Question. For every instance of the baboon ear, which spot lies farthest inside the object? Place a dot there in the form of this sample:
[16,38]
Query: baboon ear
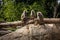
[24,15]
[32,15]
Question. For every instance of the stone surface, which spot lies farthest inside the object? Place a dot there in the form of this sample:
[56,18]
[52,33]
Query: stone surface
[34,32]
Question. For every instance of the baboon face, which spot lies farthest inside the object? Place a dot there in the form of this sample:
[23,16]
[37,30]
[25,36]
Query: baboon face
[39,15]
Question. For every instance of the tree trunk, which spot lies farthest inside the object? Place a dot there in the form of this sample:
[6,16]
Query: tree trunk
[19,23]
[55,11]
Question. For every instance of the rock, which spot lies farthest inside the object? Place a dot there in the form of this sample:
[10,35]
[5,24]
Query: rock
[2,32]
[34,32]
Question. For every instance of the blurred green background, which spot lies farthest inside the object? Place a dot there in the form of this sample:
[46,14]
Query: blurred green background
[11,10]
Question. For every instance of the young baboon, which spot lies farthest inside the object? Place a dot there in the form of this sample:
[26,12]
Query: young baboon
[40,17]
[32,15]
[24,15]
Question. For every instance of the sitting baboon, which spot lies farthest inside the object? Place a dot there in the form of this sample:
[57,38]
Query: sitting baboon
[32,15]
[40,17]
[24,15]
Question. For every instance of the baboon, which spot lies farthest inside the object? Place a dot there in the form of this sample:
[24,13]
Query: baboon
[40,17]
[32,15]
[24,15]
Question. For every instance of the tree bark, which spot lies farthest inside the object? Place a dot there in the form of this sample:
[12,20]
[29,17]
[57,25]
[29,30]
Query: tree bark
[19,23]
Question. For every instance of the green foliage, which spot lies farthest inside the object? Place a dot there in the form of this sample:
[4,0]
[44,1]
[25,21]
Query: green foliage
[11,10]
[37,7]
[20,6]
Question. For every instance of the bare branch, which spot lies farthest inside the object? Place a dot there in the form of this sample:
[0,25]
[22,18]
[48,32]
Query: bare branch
[45,20]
